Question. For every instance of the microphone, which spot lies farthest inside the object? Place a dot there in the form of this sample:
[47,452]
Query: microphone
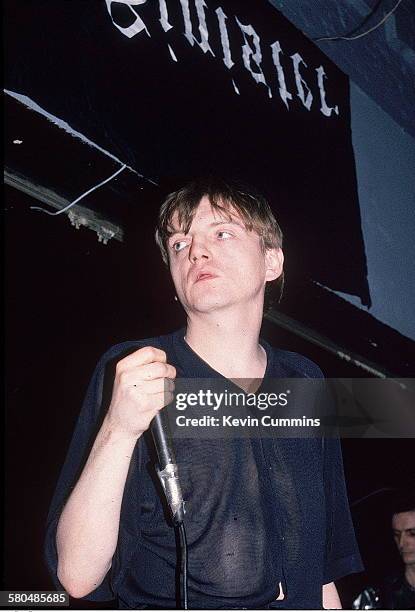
[167,469]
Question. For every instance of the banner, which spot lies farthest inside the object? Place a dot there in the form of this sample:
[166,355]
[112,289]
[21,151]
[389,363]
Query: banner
[183,88]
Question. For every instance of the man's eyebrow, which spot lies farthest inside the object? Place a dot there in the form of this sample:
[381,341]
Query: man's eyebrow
[403,530]
[175,233]
[227,222]
[213,224]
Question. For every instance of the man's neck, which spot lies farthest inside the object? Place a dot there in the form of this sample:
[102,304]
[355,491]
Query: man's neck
[410,574]
[228,342]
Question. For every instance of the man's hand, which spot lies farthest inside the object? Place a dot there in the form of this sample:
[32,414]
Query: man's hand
[143,385]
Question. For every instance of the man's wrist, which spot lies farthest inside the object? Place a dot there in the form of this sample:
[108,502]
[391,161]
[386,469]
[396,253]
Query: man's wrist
[113,433]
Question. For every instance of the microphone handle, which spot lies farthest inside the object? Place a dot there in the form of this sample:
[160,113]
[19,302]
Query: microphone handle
[167,470]
[162,441]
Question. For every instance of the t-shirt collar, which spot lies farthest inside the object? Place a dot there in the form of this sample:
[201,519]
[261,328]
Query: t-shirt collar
[193,366]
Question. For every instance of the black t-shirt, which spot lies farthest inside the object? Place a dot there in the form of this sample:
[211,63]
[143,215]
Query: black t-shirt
[259,512]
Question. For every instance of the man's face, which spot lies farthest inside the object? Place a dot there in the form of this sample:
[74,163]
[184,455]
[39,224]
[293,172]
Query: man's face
[403,526]
[219,263]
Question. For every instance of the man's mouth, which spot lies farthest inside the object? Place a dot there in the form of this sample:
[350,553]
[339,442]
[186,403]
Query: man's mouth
[204,276]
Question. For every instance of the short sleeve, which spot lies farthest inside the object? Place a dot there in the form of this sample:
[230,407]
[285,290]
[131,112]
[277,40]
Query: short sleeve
[342,555]
[83,437]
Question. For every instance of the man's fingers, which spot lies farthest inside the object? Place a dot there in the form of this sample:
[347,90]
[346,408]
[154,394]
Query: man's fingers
[150,371]
[143,385]
[150,387]
[142,356]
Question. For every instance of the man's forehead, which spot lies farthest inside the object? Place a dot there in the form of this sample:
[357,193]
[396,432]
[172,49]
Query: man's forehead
[404,520]
[205,211]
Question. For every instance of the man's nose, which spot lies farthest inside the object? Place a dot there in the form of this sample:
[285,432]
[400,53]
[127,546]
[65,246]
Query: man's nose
[402,541]
[198,250]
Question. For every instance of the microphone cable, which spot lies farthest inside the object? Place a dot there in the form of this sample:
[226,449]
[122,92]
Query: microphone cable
[183,559]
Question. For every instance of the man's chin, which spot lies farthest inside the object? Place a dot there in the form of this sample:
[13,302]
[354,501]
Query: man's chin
[207,304]
[208,307]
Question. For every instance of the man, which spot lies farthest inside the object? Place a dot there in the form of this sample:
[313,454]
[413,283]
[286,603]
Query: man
[267,520]
[396,591]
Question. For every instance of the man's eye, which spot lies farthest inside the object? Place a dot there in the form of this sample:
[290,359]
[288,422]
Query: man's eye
[224,235]
[179,246]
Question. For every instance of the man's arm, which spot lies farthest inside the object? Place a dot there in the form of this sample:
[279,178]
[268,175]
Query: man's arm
[331,599]
[88,527]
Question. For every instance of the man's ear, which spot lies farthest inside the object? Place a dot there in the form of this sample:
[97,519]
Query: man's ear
[274,264]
